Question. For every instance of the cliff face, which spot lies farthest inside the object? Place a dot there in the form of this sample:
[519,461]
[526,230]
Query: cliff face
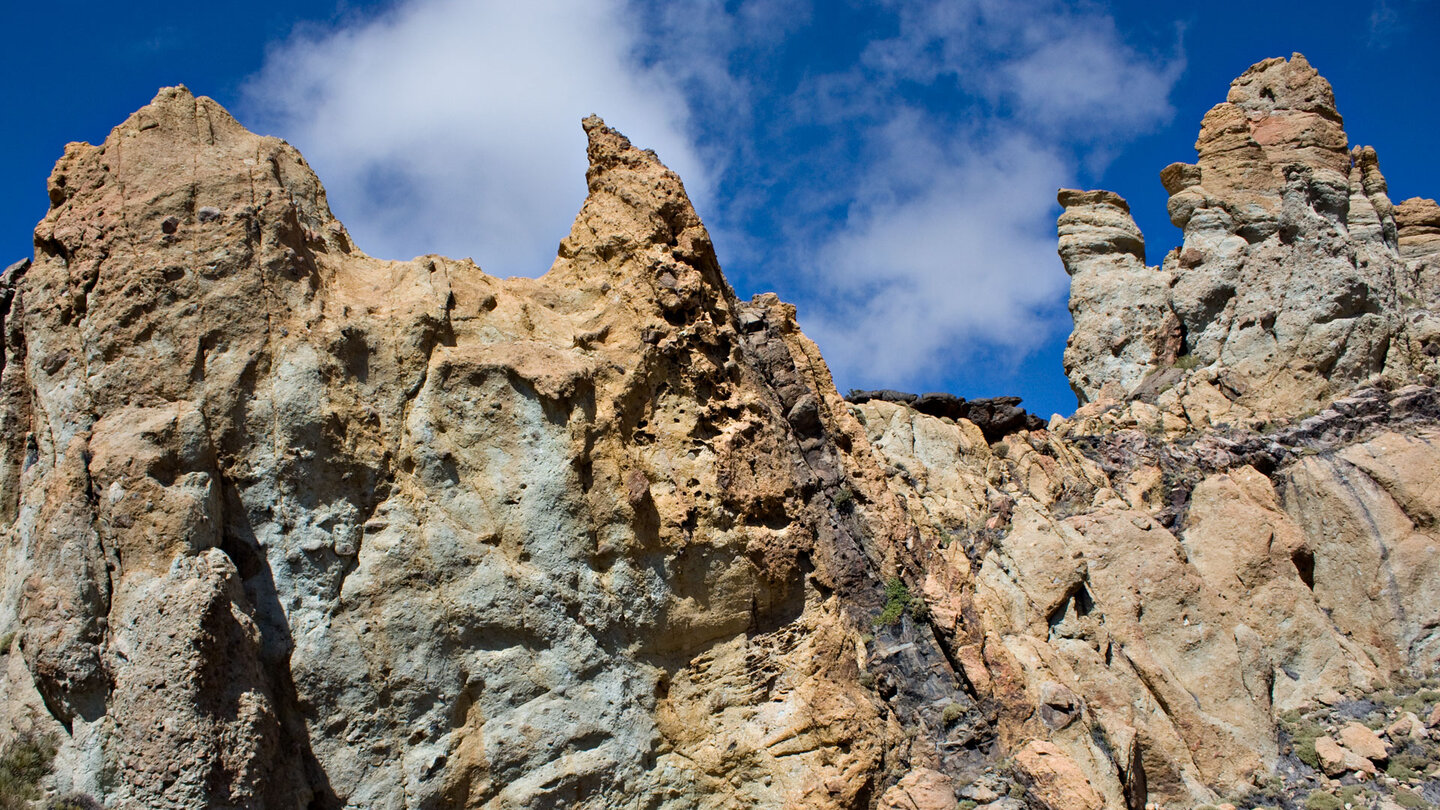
[288,526]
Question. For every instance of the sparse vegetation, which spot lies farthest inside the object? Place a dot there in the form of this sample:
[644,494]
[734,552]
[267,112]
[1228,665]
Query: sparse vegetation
[1399,770]
[1408,798]
[1186,362]
[1302,733]
[1320,800]
[74,801]
[898,602]
[23,763]
[897,598]
[845,500]
[1352,794]
[952,712]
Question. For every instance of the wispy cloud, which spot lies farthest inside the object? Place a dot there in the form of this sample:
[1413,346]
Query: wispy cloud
[962,126]
[891,166]
[454,127]
[1384,22]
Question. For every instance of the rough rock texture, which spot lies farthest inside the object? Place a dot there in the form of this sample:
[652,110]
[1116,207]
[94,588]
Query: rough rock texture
[1292,283]
[290,526]
[287,526]
[1124,325]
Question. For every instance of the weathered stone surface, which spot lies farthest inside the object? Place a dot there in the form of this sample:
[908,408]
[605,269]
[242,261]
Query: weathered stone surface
[1123,322]
[1418,224]
[1293,282]
[921,789]
[1336,760]
[290,526]
[284,525]
[1054,781]
[1356,737]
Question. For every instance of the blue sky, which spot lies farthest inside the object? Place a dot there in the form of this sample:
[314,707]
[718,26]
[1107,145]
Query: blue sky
[889,167]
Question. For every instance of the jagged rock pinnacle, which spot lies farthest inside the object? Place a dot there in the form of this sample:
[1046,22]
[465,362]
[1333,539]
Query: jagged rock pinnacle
[1275,186]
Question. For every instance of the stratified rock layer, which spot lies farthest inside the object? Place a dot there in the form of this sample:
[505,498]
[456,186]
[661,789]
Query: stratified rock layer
[288,526]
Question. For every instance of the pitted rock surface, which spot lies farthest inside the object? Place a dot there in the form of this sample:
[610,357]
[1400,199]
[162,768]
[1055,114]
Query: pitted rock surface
[288,526]
[1293,282]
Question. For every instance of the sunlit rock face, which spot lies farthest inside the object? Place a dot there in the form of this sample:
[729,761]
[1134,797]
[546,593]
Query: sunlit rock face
[1292,283]
[288,526]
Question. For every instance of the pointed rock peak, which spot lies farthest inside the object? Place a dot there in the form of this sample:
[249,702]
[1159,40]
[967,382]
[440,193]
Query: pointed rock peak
[638,224]
[1279,84]
[199,168]
[611,151]
[176,113]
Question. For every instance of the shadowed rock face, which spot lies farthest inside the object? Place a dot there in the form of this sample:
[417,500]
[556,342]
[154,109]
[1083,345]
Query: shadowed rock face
[288,526]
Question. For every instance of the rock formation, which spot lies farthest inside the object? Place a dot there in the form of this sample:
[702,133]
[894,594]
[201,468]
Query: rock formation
[1291,284]
[288,526]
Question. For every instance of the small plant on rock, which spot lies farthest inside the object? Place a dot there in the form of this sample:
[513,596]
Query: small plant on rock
[23,763]
[1408,798]
[1320,800]
[898,602]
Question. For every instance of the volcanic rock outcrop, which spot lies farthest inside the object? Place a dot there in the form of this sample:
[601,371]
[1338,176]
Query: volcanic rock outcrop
[1292,284]
[287,526]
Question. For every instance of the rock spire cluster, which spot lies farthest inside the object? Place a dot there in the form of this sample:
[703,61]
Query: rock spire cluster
[288,526]
[1297,279]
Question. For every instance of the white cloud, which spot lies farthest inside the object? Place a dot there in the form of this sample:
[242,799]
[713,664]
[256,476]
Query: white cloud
[453,127]
[917,278]
[905,184]
[950,238]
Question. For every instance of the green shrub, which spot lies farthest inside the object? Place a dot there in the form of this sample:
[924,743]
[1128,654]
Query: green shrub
[1409,761]
[1320,800]
[952,712]
[968,804]
[1302,736]
[1408,798]
[1352,794]
[898,602]
[23,763]
[1399,770]
[897,598]
[1187,362]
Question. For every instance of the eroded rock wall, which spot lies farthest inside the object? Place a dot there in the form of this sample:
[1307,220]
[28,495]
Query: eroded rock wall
[288,526]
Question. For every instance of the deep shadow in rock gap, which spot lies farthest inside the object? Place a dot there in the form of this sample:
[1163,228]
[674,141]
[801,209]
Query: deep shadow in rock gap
[294,751]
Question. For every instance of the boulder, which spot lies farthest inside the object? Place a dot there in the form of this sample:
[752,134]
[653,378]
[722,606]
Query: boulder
[921,789]
[1053,779]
